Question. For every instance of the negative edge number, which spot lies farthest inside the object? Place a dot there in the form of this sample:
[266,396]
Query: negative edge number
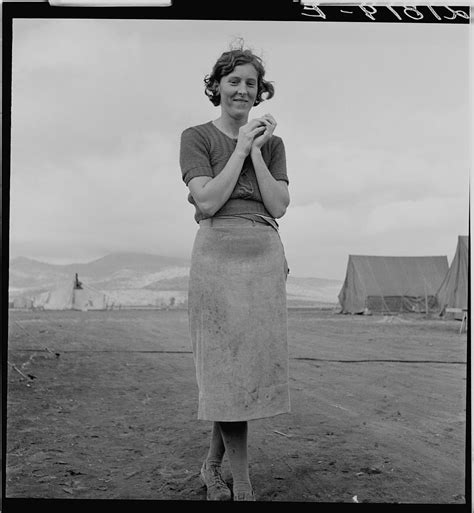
[369,10]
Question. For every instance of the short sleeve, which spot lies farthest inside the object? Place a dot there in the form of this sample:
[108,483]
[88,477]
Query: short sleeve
[194,155]
[277,162]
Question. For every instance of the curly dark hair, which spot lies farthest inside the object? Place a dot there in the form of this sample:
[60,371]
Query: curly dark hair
[226,63]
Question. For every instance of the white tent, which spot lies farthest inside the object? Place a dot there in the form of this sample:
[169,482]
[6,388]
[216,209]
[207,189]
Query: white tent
[89,298]
[58,298]
[67,296]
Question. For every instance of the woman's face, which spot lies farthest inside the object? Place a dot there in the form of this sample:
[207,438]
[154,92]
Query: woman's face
[238,91]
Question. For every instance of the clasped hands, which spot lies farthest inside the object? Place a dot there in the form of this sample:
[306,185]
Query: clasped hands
[254,134]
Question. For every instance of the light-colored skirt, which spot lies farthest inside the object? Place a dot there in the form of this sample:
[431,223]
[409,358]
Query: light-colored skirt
[238,320]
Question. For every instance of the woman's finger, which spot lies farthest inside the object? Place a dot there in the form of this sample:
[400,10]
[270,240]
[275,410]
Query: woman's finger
[270,126]
[257,130]
[270,119]
[255,122]
[267,124]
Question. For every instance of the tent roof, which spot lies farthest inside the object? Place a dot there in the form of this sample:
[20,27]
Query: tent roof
[463,240]
[453,291]
[398,275]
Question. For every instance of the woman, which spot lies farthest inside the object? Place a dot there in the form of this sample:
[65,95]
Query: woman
[235,170]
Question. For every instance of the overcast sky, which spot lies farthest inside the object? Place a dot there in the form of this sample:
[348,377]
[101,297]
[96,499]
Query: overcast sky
[374,116]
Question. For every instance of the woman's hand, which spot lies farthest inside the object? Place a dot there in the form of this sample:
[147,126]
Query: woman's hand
[270,125]
[247,134]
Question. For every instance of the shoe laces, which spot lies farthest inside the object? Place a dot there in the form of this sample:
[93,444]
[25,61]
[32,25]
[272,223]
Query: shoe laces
[214,475]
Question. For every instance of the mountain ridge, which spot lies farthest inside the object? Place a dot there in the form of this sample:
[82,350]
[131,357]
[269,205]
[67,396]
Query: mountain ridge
[139,271]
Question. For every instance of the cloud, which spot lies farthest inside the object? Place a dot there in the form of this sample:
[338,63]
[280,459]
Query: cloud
[83,87]
[320,239]
[131,199]
[316,239]
[422,216]
[377,156]
[347,177]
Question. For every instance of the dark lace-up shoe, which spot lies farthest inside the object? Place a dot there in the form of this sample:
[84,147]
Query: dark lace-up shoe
[217,489]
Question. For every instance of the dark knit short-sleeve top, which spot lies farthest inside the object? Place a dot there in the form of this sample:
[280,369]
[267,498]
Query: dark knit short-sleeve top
[205,151]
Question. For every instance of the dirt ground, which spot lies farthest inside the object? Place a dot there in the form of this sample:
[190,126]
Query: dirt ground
[107,410]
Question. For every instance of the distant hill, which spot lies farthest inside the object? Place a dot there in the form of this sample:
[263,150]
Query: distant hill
[23,269]
[138,262]
[116,270]
[138,271]
[312,283]
[178,283]
[26,273]
[314,290]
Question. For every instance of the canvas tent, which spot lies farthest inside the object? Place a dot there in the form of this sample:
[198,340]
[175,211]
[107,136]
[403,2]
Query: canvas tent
[392,284]
[69,296]
[21,302]
[453,290]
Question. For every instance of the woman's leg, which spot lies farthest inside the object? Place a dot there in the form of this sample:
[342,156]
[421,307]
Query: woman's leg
[217,489]
[216,447]
[234,435]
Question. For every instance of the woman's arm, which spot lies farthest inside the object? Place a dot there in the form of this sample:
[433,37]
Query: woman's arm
[275,195]
[210,194]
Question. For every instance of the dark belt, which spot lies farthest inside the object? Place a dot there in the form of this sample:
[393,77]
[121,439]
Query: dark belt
[254,218]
